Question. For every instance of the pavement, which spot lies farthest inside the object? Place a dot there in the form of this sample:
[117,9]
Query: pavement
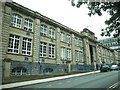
[18,84]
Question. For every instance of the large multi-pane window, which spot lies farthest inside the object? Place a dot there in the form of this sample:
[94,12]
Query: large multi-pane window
[26,46]
[43,30]
[63,54]
[62,36]
[16,20]
[52,33]
[68,54]
[13,46]
[76,41]
[68,39]
[43,49]
[51,51]
[81,56]
[76,55]
[28,25]
[81,43]
[19,71]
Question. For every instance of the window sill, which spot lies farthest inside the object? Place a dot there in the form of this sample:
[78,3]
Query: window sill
[22,29]
[19,54]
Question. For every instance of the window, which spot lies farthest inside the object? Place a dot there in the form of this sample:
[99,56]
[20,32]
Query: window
[48,70]
[43,49]
[68,39]
[43,30]
[81,56]
[68,54]
[62,36]
[51,51]
[76,41]
[28,25]
[81,43]
[19,71]
[52,33]
[26,47]
[13,46]
[63,55]
[76,55]
[16,20]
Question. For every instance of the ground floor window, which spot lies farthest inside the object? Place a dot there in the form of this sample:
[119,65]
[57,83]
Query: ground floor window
[19,71]
[48,70]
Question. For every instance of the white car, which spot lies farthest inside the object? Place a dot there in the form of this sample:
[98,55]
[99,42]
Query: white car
[114,67]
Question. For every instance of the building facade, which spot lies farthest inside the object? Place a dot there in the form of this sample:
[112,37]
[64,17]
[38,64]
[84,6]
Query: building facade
[112,43]
[35,44]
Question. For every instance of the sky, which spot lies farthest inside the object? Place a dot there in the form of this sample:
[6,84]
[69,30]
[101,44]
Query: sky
[72,17]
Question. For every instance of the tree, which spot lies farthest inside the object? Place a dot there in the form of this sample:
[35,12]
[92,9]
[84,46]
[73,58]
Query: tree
[113,8]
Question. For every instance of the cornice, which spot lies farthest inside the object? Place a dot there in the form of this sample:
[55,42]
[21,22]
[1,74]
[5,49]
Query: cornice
[37,15]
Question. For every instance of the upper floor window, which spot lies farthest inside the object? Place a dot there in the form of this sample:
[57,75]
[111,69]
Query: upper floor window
[76,55]
[28,25]
[81,56]
[43,49]
[52,33]
[62,36]
[13,46]
[68,54]
[63,55]
[76,41]
[26,47]
[81,43]
[68,38]
[16,20]
[51,51]
[43,30]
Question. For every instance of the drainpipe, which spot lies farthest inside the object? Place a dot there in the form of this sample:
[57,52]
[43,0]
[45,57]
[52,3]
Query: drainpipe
[39,52]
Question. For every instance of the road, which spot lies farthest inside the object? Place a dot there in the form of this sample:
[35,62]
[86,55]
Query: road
[98,80]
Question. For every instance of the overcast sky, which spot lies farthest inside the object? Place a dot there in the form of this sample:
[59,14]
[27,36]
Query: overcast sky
[62,12]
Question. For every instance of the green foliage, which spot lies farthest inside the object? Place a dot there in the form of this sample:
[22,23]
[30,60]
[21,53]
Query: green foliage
[113,8]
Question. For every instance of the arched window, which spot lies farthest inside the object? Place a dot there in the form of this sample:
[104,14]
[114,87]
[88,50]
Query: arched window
[19,71]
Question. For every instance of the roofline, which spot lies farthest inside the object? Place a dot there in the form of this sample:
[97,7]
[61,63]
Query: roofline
[38,15]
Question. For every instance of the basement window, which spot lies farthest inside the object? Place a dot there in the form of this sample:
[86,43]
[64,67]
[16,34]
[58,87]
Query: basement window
[19,71]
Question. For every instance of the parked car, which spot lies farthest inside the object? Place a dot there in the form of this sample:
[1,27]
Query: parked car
[104,68]
[114,67]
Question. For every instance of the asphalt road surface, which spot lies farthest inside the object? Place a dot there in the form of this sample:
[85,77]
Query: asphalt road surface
[98,80]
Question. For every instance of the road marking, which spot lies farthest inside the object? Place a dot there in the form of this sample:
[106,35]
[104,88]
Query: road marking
[49,86]
[113,86]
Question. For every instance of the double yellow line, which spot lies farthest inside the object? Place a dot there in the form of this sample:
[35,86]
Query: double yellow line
[113,86]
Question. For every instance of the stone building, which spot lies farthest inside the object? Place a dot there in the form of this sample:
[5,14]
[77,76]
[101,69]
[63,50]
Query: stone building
[112,43]
[35,44]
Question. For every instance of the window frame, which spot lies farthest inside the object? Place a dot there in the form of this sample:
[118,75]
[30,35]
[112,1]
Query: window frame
[62,53]
[69,56]
[62,37]
[29,23]
[25,47]
[43,30]
[81,57]
[51,51]
[68,37]
[13,42]
[15,20]
[51,31]
[76,55]
[43,49]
